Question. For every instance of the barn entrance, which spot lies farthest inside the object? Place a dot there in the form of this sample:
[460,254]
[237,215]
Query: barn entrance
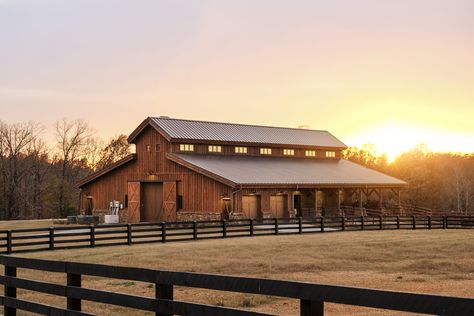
[279,206]
[297,203]
[151,202]
[251,206]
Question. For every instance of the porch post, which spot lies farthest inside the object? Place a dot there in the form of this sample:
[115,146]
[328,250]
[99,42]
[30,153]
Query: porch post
[316,201]
[339,200]
[399,199]
[360,198]
[380,198]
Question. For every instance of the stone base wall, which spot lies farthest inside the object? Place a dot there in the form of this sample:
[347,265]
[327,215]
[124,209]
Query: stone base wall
[185,216]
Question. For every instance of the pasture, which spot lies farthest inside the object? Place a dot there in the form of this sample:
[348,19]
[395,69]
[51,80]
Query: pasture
[438,261]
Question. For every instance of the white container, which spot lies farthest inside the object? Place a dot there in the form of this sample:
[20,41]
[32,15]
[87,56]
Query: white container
[111,219]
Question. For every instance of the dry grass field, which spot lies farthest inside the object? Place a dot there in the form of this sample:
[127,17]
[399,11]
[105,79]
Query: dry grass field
[437,261]
[39,223]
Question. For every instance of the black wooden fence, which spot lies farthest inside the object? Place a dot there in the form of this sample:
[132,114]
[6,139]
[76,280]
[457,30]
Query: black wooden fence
[67,237]
[311,296]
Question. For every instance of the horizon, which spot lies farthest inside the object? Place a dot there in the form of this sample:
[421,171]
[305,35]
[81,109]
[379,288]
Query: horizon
[392,75]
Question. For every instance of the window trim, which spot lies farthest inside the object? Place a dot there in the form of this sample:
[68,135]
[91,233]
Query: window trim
[214,148]
[330,154]
[288,152]
[265,151]
[310,153]
[241,150]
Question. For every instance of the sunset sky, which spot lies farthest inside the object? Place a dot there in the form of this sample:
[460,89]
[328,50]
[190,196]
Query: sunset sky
[391,73]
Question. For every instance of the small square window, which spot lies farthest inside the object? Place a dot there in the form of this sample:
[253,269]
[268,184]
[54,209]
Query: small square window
[186,147]
[310,153]
[240,150]
[214,149]
[158,147]
[288,152]
[330,154]
[265,151]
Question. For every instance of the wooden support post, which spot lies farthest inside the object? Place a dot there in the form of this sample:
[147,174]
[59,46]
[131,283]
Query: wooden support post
[362,223]
[51,238]
[343,223]
[429,222]
[414,221]
[276,226]
[300,225]
[316,201]
[9,242]
[251,227]
[311,308]
[360,198]
[339,200]
[399,198]
[92,236]
[73,279]
[163,232]
[398,222]
[164,292]
[224,228]
[380,222]
[445,222]
[10,291]
[322,223]
[129,234]
[195,231]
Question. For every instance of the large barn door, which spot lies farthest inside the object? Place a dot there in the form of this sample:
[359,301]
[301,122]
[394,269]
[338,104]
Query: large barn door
[279,206]
[152,202]
[169,201]
[251,206]
[133,191]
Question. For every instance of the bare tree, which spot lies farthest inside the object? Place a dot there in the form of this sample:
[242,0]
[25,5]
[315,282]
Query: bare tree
[117,149]
[14,140]
[72,139]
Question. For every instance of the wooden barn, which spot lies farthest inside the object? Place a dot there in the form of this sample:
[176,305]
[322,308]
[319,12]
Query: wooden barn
[186,169]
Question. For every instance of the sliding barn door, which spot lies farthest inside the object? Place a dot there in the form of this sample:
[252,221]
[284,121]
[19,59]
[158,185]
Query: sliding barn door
[169,201]
[133,202]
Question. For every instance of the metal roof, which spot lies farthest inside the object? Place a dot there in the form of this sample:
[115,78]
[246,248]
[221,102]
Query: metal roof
[282,171]
[240,133]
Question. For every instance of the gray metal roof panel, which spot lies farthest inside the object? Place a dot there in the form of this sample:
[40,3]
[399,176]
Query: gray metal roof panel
[260,170]
[229,132]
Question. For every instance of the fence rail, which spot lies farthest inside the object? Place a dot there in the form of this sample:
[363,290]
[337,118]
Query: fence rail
[68,237]
[311,296]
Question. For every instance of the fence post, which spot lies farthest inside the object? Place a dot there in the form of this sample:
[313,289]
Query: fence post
[9,242]
[414,221]
[311,308]
[343,223]
[195,230]
[381,222]
[51,238]
[429,222]
[398,222]
[92,235]
[163,232]
[276,226]
[10,291]
[164,292]
[362,223]
[300,225]
[73,279]
[251,227]
[129,234]
[446,222]
[224,228]
[322,223]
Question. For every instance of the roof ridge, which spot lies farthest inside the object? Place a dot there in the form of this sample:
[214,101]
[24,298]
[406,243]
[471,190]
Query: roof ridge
[239,124]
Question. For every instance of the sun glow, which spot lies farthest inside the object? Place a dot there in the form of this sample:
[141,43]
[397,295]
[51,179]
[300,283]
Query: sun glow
[394,139]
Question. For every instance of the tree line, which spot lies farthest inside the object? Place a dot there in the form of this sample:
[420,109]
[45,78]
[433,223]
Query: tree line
[441,181]
[39,181]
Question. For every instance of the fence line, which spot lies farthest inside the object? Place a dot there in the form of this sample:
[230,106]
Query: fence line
[311,296]
[37,239]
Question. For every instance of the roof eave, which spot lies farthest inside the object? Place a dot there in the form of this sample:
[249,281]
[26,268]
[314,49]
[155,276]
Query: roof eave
[99,173]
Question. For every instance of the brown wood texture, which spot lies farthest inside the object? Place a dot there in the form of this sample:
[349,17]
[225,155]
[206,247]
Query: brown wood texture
[279,206]
[151,202]
[169,201]
[134,202]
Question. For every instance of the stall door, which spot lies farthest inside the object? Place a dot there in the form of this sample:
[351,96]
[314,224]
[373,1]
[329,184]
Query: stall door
[279,206]
[169,201]
[251,206]
[133,192]
[152,202]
